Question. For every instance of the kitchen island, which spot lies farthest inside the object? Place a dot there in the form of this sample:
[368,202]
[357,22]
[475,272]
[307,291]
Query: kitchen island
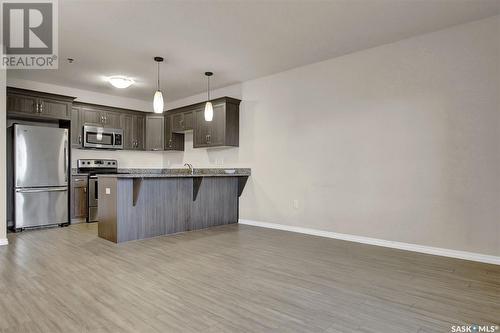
[142,205]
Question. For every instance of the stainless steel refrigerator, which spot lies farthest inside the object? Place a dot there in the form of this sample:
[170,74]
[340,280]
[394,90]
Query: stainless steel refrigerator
[40,176]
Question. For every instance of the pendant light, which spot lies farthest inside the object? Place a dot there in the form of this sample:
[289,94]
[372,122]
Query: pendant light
[158,98]
[209,110]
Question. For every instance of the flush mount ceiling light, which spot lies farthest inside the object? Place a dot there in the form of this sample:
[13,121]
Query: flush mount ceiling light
[121,82]
[209,109]
[158,97]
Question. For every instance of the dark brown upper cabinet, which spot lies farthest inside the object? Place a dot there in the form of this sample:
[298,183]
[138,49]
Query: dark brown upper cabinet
[133,131]
[182,121]
[76,128]
[155,132]
[22,103]
[223,130]
[132,122]
[100,116]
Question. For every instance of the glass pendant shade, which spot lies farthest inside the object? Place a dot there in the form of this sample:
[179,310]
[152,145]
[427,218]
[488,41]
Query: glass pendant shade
[158,97]
[209,111]
[158,102]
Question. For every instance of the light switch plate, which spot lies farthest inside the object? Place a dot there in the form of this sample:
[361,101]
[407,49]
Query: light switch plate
[108,190]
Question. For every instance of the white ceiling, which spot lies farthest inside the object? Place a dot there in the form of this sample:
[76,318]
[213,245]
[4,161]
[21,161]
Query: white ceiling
[238,40]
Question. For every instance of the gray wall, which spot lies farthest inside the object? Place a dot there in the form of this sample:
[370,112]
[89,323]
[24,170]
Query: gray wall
[399,142]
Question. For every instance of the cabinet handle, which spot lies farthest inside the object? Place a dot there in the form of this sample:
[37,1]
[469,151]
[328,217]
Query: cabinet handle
[170,143]
[41,107]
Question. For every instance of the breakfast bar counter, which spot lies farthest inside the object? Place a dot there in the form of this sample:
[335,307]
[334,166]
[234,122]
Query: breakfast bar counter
[140,204]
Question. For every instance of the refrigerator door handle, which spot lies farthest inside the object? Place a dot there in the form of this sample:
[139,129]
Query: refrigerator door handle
[41,190]
[65,162]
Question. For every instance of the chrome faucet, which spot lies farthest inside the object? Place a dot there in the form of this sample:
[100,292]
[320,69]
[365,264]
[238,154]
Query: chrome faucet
[190,166]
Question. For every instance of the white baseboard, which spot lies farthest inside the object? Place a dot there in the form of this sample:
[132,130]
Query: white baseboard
[484,258]
[4,241]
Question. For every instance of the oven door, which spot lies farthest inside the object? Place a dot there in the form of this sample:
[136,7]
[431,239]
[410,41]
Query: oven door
[98,137]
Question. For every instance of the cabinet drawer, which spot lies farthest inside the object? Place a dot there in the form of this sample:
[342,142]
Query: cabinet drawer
[79,181]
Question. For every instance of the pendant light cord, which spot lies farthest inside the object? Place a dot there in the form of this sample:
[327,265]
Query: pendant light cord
[208,88]
[158,76]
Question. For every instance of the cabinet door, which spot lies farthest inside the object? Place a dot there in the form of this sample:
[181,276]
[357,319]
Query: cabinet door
[80,207]
[188,120]
[111,119]
[177,122]
[79,198]
[139,124]
[76,128]
[209,133]
[21,103]
[54,108]
[154,133]
[91,116]
[127,124]
[217,127]
[200,138]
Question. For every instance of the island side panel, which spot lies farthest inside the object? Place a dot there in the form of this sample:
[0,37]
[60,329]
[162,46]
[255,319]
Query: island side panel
[107,227]
[216,203]
[162,207]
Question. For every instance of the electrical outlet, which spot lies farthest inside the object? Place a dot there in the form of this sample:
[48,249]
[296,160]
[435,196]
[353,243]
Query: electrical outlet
[296,203]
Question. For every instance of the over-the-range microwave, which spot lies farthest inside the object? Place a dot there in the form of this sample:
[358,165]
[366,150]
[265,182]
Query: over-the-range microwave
[102,138]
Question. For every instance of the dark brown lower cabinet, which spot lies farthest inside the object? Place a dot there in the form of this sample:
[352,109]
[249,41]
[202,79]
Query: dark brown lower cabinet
[79,199]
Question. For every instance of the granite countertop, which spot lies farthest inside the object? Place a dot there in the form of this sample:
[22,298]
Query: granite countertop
[176,173]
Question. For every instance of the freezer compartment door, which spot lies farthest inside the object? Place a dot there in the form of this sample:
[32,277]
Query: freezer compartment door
[40,156]
[41,206]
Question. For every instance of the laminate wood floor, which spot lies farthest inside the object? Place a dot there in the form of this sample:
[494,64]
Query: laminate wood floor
[234,278]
